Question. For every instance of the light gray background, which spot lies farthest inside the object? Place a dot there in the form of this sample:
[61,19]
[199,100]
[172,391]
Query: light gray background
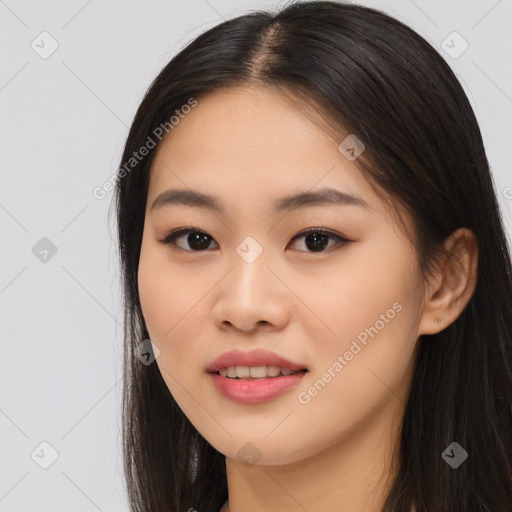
[63,123]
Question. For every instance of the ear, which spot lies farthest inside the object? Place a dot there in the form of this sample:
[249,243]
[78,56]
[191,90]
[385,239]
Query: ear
[452,284]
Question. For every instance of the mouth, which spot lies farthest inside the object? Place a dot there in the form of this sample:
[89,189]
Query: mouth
[255,384]
[255,364]
[256,372]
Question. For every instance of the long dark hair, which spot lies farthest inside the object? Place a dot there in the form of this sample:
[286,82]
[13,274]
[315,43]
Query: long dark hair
[370,75]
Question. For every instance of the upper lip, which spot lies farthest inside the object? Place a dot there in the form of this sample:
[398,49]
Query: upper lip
[257,357]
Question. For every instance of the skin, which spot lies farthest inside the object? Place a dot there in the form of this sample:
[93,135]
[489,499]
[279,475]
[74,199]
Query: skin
[249,146]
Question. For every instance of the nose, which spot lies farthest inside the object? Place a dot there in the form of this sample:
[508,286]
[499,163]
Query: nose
[251,296]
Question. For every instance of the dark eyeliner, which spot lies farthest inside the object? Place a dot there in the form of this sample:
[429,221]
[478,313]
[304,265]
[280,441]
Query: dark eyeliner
[170,237]
[339,238]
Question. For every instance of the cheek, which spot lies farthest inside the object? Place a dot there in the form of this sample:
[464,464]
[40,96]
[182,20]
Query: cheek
[369,313]
[167,299]
[341,300]
[166,292]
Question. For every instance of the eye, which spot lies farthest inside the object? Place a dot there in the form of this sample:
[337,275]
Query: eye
[316,239]
[198,240]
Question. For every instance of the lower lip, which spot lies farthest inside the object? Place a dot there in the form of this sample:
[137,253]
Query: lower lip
[255,391]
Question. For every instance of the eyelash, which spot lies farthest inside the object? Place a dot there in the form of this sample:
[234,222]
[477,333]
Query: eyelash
[173,235]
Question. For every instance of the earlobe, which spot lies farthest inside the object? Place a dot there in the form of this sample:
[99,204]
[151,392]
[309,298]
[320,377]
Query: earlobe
[452,284]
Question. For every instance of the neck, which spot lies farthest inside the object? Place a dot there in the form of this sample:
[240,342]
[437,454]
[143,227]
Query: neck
[357,472]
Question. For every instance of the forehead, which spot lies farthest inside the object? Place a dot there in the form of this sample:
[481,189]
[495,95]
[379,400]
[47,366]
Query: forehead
[252,140]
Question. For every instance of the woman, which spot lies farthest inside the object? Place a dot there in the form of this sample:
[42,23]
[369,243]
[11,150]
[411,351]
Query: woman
[310,238]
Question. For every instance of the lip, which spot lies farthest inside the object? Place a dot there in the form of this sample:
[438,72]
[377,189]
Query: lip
[254,391]
[257,357]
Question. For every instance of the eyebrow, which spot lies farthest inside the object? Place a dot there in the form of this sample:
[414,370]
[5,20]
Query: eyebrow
[326,196]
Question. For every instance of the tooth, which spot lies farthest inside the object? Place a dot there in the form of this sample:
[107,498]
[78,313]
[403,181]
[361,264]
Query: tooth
[286,371]
[273,371]
[258,371]
[223,372]
[242,372]
[232,371]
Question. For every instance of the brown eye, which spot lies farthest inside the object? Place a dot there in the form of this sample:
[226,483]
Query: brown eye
[317,239]
[197,240]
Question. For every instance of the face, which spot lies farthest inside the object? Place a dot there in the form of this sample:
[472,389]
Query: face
[343,301]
